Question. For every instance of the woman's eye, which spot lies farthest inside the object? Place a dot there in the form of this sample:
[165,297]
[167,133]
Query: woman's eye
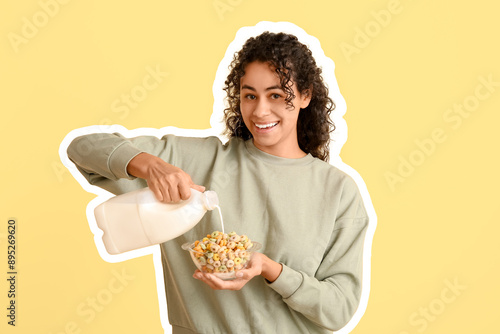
[275,96]
[250,97]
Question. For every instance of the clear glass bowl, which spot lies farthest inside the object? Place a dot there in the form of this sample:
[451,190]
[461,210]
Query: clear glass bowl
[223,269]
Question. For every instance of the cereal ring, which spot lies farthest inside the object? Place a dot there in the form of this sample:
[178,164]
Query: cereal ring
[230,263]
[217,264]
[216,257]
[237,261]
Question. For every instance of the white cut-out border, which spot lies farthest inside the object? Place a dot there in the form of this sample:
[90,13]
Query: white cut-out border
[338,138]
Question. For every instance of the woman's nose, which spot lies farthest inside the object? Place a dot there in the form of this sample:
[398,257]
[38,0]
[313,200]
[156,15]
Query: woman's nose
[263,108]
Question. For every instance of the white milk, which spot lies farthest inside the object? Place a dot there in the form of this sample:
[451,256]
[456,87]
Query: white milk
[137,219]
[221,220]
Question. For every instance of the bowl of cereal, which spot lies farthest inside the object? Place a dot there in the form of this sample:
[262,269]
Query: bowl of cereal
[222,254]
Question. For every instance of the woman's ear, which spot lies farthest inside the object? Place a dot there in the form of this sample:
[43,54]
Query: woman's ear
[305,98]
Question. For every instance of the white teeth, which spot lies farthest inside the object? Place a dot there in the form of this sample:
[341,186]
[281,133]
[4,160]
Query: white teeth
[265,126]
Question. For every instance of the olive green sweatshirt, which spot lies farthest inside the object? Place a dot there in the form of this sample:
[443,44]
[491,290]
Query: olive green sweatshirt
[308,215]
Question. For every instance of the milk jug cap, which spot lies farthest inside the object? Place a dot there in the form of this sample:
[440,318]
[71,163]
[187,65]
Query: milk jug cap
[210,199]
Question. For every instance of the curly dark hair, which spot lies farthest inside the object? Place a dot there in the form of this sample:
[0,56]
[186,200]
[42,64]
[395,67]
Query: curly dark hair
[293,62]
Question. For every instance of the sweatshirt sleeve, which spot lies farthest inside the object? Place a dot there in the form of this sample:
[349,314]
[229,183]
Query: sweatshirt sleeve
[102,155]
[102,158]
[330,297]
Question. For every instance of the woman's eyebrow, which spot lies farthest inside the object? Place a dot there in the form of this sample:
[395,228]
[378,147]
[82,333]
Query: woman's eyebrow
[268,88]
[274,87]
[248,87]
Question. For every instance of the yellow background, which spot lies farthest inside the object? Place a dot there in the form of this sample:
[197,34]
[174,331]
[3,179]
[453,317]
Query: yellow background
[438,225]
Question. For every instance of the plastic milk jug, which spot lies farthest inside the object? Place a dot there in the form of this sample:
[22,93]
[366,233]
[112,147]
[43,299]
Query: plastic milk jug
[137,219]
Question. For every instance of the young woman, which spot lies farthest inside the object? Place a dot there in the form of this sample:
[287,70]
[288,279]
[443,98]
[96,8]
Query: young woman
[274,185]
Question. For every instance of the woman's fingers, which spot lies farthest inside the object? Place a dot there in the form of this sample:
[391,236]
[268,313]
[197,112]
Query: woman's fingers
[197,187]
[168,183]
[242,278]
[166,195]
[218,284]
[179,186]
[174,192]
[184,190]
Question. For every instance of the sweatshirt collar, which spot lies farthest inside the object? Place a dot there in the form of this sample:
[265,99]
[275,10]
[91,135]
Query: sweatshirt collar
[272,159]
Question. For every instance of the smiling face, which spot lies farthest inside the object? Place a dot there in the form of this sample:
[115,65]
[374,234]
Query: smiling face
[272,123]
